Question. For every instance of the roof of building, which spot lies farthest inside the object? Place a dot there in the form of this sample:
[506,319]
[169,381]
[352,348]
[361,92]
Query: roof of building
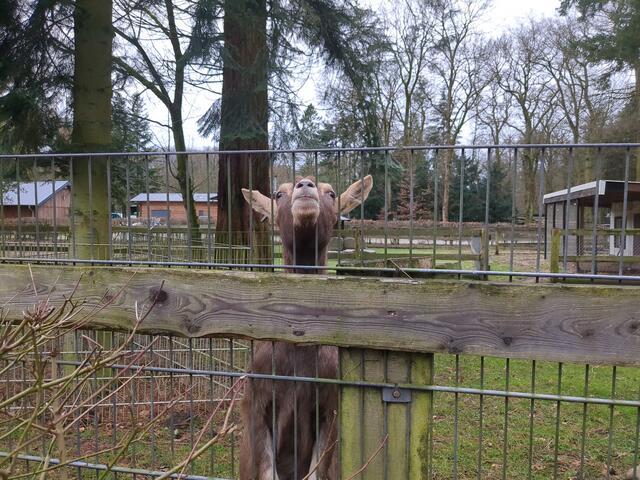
[608,191]
[173,197]
[30,192]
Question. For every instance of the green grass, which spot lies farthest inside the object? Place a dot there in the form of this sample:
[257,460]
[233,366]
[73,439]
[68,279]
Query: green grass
[572,421]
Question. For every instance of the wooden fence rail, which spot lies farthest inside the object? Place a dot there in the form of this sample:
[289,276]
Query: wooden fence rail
[567,323]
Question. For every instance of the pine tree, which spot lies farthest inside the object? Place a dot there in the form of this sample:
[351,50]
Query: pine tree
[130,133]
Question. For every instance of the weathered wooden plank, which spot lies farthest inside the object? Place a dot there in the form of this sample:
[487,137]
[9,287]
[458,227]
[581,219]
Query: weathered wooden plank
[421,415]
[398,419]
[351,398]
[558,322]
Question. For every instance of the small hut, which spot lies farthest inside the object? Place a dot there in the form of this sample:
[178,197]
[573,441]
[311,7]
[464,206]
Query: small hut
[572,214]
[160,206]
[44,202]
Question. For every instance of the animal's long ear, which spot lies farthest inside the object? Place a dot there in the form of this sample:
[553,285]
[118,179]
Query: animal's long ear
[356,194]
[260,203]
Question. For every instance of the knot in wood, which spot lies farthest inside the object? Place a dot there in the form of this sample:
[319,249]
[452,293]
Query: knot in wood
[158,295]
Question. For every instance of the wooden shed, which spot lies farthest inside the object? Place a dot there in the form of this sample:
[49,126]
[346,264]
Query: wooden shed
[41,201]
[571,214]
[159,207]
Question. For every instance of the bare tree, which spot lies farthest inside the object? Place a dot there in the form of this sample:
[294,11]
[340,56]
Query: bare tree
[492,120]
[412,41]
[166,46]
[520,75]
[458,60]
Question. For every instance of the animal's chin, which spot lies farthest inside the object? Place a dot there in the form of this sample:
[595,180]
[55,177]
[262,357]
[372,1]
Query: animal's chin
[305,210]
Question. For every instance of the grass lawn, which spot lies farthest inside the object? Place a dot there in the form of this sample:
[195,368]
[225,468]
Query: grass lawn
[539,436]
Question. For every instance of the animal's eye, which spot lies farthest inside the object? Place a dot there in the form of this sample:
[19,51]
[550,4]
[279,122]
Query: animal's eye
[332,194]
[279,195]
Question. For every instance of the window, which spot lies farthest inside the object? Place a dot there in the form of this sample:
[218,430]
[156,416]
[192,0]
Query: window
[201,213]
[160,213]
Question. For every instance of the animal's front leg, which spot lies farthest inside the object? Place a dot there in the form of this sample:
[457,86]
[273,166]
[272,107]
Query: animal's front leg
[256,447]
[324,461]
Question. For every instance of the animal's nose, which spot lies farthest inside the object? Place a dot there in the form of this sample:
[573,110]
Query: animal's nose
[305,182]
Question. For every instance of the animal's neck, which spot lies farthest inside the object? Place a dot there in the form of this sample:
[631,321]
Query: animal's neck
[305,249]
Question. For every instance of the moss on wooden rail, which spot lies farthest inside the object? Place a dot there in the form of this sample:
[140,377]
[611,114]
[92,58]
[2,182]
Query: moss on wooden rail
[580,323]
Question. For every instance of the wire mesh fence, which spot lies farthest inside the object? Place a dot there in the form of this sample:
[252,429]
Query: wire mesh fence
[432,209]
[540,213]
[490,418]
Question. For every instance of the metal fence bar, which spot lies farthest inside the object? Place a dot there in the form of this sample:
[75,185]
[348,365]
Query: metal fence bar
[19,211]
[583,438]
[513,209]
[596,213]
[505,431]
[477,146]
[166,185]
[540,210]
[36,207]
[611,424]
[378,385]
[567,214]
[556,443]
[481,420]
[531,420]
[108,468]
[625,207]
[109,206]
[456,406]
[443,271]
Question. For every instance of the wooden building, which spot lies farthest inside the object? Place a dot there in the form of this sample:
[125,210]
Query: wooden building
[159,207]
[44,202]
[572,212]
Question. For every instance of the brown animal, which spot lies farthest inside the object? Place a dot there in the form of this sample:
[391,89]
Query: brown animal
[304,414]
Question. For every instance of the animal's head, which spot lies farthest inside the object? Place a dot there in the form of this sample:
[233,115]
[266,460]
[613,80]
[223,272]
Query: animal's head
[306,202]
[305,213]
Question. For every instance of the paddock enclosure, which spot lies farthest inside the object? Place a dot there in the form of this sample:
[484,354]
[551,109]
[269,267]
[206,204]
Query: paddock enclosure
[497,339]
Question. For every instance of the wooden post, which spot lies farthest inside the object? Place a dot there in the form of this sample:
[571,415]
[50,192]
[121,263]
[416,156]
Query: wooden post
[366,419]
[554,261]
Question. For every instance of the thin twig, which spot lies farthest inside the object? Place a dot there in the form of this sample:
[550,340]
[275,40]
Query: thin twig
[326,450]
[364,467]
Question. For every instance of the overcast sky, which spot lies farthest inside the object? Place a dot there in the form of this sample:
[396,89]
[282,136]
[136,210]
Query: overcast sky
[504,13]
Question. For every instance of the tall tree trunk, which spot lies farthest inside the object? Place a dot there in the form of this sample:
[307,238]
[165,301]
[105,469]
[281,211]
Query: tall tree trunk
[91,126]
[244,126]
[636,110]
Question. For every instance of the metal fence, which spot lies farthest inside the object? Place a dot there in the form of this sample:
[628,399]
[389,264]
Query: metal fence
[508,194]
[516,213]
[491,418]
